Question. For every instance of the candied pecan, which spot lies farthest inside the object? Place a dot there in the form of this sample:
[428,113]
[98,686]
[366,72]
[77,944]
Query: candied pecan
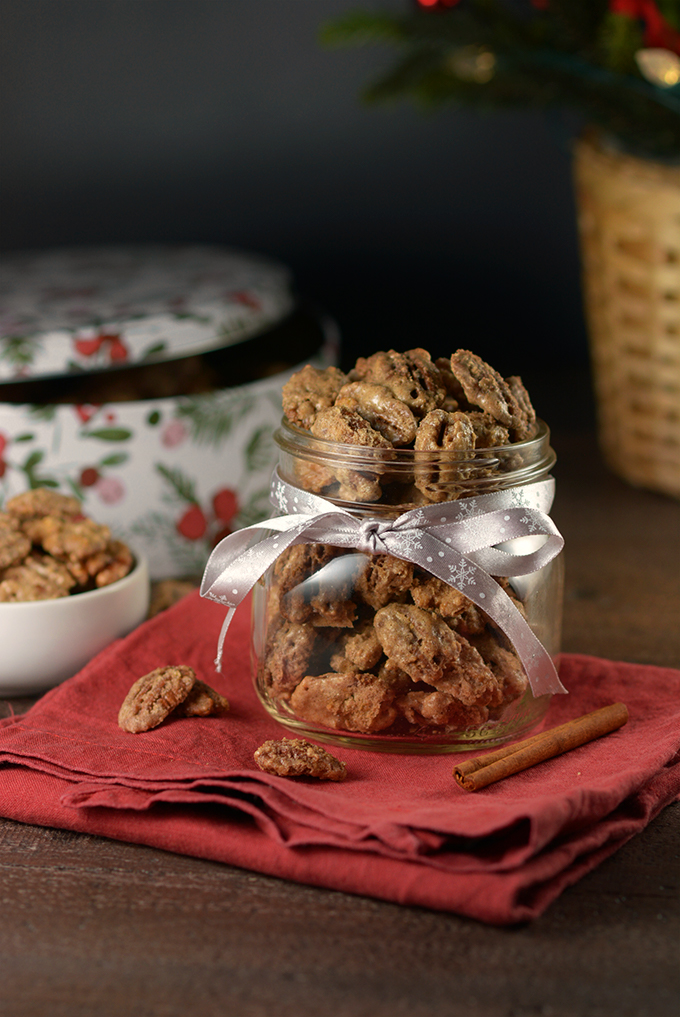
[14,545]
[359,651]
[309,391]
[39,577]
[340,424]
[397,679]
[351,701]
[43,502]
[434,594]
[357,486]
[299,562]
[343,485]
[455,396]
[287,656]
[54,523]
[485,388]
[417,641]
[451,434]
[488,432]
[470,621]
[383,580]
[313,476]
[68,539]
[321,597]
[154,696]
[202,701]
[109,565]
[294,757]
[469,679]
[410,376]
[524,424]
[440,430]
[504,663]
[440,709]
[460,613]
[422,644]
[389,416]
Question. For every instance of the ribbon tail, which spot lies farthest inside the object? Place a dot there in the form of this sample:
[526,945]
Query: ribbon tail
[223,635]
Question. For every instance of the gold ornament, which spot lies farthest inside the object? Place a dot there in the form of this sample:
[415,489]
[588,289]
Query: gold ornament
[472,63]
[660,66]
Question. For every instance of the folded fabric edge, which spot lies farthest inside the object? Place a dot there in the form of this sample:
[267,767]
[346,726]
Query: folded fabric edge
[494,898]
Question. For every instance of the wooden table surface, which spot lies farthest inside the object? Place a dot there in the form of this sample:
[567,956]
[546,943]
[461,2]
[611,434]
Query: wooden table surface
[95,928]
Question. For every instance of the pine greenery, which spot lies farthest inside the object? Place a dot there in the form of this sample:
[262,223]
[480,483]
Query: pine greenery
[507,54]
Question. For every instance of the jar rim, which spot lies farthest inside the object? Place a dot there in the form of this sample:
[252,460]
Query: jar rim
[297,441]
[454,474]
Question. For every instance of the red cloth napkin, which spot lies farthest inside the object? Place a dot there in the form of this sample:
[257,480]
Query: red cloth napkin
[399,828]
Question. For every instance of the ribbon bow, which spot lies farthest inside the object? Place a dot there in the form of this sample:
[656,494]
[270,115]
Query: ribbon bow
[463,542]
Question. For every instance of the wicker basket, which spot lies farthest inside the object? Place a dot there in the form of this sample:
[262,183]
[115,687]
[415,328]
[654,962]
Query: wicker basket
[629,221]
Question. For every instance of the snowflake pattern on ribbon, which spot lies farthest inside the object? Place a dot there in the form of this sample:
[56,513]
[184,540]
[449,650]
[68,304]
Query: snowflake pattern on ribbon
[411,540]
[467,507]
[461,575]
[278,496]
[518,498]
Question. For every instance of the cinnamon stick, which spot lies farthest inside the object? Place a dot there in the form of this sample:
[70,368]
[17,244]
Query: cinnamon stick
[477,773]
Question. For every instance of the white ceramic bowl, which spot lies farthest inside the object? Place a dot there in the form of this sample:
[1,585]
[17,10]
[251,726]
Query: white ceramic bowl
[46,641]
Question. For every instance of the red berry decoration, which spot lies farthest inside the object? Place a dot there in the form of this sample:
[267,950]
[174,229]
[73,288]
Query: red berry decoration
[88,347]
[225,505]
[89,477]
[86,411]
[193,523]
[117,348]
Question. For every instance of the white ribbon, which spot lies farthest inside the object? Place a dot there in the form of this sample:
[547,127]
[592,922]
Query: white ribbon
[463,542]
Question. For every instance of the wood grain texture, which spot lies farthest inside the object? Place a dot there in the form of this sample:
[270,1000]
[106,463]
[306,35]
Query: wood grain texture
[94,928]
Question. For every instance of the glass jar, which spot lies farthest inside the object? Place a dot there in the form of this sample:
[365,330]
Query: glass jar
[358,646]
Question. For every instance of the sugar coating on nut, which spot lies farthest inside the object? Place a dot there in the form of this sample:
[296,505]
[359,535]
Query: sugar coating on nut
[428,650]
[294,757]
[288,655]
[384,579]
[57,550]
[309,391]
[42,501]
[38,577]
[344,425]
[410,376]
[202,701]
[384,412]
[67,539]
[154,696]
[351,701]
[14,545]
[359,650]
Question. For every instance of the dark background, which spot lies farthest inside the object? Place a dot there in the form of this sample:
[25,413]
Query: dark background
[226,121]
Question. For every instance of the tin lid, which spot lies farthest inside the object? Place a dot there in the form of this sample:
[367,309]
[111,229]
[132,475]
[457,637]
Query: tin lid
[72,310]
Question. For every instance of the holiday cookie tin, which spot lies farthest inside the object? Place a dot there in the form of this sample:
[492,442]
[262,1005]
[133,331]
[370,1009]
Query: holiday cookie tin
[147,381]
[66,311]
